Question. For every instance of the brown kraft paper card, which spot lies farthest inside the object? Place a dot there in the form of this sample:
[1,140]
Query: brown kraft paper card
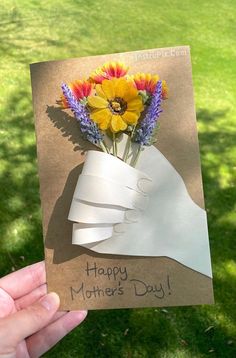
[85,279]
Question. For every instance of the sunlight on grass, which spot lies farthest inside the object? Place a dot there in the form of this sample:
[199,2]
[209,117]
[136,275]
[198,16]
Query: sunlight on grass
[16,232]
[180,353]
[230,268]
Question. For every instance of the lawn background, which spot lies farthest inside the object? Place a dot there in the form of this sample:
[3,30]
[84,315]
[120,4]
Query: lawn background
[33,31]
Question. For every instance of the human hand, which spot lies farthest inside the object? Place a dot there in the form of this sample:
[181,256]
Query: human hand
[30,323]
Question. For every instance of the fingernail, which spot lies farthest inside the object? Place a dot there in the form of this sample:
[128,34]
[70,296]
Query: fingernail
[119,228]
[50,301]
[82,315]
[144,185]
[79,316]
[132,215]
[73,318]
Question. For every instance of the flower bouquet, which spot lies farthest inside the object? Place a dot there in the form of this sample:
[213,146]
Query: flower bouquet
[118,113]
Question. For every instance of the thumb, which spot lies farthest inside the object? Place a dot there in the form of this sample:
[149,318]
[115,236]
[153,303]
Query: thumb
[18,326]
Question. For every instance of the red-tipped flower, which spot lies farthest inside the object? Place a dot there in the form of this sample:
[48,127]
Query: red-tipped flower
[81,89]
[147,82]
[108,71]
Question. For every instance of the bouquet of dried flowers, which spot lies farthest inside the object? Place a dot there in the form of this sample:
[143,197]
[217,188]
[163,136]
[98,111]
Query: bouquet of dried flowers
[110,103]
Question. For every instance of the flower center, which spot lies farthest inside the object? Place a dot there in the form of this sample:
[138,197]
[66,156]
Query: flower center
[117,105]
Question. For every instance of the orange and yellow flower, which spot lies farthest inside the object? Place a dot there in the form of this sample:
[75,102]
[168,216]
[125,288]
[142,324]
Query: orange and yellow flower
[116,105]
[147,82]
[63,102]
[108,71]
[164,92]
[80,89]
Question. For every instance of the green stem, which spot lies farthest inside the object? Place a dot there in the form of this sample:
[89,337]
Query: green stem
[107,149]
[114,145]
[128,144]
[137,156]
[127,148]
[104,147]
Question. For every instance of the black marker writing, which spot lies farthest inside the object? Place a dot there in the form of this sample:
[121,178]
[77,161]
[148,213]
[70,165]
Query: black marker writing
[112,273]
[141,289]
[168,284]
[96,291]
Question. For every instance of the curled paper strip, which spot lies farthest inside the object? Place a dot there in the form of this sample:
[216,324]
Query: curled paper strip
[106,191]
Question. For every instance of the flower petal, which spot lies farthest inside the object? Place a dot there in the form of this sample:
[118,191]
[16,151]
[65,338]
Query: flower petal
[130,117]
[81,88]
[97,102]
[164,90]
[131,93]
[87,88]
[101,115]
[117,123]
[108,89]
[77,90]
[100,92]
[115,69]
[135,105]
[104,124]
[121,87]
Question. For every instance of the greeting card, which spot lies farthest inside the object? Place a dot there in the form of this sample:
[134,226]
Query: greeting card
[124,221]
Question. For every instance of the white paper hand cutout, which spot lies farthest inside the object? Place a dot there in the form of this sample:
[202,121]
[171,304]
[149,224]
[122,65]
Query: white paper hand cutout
[146,212]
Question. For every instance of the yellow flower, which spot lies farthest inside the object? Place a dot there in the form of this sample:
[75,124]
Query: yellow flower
[116,105]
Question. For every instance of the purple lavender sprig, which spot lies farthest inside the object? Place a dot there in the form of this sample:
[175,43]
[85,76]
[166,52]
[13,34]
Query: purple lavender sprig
[87,127]
[145,131]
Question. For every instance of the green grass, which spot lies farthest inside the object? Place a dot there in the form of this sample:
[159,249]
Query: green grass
[32,31]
